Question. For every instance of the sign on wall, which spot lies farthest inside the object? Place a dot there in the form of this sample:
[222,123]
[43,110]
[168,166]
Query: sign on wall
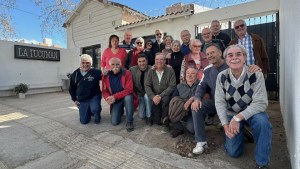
[27,52]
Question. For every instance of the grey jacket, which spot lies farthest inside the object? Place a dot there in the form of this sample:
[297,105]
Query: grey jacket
[166,85]
[136,75]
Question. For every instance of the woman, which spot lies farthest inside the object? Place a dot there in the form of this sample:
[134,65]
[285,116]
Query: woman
[168,39]
[241,98]
[175,59]
[132,56]
[195,59]
[112,51]
[148,52]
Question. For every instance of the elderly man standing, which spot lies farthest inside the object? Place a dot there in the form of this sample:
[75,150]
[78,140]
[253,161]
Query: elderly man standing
[241,97]
[126,43]
[158,45]
[185,38]
[159,86]
[207,37]
[254,44]
[117,88]
[139,74]
[85,90]
[215,27]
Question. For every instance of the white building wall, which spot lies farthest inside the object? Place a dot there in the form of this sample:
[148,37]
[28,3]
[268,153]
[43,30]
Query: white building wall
[42,76]
[289,75]
[93,25]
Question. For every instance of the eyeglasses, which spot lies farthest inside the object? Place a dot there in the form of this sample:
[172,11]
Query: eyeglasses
[197,46]
[158,34]
[139,43]
[239,26]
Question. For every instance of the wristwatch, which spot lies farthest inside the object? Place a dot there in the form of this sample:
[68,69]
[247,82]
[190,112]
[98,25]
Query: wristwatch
[236,119]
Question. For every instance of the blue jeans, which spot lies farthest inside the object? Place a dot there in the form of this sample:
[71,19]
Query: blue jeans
[144,106]
[262,133]
[89,107]
[207,108]
[117,110]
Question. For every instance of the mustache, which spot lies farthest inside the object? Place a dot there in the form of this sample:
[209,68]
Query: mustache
[115,69]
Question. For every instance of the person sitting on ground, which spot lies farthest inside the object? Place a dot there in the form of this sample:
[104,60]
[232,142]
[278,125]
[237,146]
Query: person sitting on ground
[183,95]
[241,97]
[159,85]
[85,90]
[139,74]
[117,88]
[131,58]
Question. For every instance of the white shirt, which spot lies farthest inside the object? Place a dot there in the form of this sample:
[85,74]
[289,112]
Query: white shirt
[159,75]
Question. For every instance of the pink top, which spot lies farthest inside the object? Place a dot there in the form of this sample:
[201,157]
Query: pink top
[108,54]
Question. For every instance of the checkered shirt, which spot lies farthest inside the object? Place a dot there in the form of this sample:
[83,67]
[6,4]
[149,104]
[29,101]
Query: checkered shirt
[247,43]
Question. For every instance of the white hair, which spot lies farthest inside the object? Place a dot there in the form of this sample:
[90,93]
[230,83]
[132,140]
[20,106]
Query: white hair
[140,39]
[118,59]
[86,57]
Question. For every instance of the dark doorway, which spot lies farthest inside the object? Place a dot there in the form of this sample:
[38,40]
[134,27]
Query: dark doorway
[95,52]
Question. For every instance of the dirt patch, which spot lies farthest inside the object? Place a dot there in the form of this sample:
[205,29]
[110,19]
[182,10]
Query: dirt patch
[183,144]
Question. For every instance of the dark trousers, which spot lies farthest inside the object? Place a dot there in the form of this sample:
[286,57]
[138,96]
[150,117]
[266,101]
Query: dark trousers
[160,111]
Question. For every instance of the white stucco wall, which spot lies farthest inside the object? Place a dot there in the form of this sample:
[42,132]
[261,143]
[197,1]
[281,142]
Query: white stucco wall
[289,75]
[37,73]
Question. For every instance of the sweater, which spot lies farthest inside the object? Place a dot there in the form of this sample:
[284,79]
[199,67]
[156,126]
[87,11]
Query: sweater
[163,88]
[247,96]
[85,87]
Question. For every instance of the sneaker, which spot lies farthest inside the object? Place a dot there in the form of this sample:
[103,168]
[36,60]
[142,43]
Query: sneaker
[176,133]
[200,147]
[248,136]
[129,127]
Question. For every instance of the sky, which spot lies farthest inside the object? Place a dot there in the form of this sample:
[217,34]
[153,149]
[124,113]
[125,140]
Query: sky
[27,22]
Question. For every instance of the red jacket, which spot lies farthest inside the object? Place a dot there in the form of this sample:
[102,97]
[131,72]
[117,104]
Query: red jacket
[127,84]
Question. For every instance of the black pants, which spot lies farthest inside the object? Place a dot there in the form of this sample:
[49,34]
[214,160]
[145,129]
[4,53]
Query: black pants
[160,111]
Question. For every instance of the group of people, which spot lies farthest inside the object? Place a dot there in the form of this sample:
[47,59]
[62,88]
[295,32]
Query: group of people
[179,85]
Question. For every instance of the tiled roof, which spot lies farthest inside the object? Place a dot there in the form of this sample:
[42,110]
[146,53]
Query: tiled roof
[157,18]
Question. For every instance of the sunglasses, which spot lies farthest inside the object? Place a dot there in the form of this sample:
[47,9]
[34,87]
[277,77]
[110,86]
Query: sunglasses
[239,26]
[85,62]
[158,34]
[139,43]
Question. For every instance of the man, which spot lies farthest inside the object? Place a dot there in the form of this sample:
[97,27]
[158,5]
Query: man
[139,74]
[185,37]
[203,106]
[215,27]
[254,44]
[184,95]
[117,88]
[85,90]
[126,43]
[159,85]
[241,97]
[207,37]
[158,45]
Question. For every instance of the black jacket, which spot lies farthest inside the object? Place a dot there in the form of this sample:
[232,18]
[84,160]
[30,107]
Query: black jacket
[85,87]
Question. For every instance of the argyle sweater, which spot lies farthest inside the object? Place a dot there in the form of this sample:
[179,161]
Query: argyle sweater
[247,95]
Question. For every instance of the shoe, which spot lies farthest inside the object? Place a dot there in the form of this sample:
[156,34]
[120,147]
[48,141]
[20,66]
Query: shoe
[248,136]
[175,133]
[165,120]
[200,147]
[97,121]
[149,121]
[166,129]
[129,127]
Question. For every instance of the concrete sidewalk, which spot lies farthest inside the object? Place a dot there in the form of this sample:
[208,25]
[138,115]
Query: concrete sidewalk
[43,132]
